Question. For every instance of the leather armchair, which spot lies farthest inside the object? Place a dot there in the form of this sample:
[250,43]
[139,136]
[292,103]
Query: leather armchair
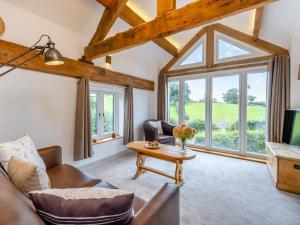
[151,133]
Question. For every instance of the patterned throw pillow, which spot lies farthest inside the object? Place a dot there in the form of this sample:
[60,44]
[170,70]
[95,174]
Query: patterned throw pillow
[157,124]
[27,176]
[22,148]
[84,206]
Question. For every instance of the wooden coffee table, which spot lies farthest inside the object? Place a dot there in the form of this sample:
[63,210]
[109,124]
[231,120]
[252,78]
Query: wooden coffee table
[165,152]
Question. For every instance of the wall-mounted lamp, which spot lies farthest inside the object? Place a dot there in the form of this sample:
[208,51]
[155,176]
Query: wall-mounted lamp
[52,56]
[108,59]
[2,26]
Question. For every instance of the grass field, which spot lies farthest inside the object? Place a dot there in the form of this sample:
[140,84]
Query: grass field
[220,112]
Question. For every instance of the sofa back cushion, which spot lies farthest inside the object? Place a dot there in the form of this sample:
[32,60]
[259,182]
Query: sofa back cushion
[15,208]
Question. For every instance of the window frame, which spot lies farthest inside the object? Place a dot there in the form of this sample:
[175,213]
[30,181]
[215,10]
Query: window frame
[254,52]
[100,91]
[189,52]
[243,74]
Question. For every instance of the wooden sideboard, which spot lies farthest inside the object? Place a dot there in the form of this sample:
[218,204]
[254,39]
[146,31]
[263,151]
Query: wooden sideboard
[284,164]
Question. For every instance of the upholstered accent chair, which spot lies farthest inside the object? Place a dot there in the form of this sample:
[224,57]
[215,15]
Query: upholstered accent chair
[163,135]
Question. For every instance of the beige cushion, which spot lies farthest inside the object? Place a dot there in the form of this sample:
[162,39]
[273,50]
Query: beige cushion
[157,124]
[27,176]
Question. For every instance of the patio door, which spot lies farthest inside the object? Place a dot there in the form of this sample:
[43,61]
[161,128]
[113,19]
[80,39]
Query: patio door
[228,109]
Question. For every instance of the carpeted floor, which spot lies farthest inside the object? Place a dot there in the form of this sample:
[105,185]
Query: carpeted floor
[218,190]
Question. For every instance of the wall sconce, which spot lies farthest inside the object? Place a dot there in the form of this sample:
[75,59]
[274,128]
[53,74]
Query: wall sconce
[52,56]
[108,59]
[2,26]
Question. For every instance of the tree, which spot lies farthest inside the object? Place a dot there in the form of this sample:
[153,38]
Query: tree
[231,96]
[251,99]
[174,93]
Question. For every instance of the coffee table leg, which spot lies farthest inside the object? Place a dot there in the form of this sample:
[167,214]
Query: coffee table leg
[139,163]
[178,173]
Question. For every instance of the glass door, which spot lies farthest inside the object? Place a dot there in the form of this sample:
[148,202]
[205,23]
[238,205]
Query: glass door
[256,112]
[225,112]
[195,107]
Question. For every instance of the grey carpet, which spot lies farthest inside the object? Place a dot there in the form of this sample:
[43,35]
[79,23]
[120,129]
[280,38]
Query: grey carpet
[218,190]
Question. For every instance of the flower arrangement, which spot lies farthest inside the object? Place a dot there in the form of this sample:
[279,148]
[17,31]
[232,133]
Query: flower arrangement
[184,133]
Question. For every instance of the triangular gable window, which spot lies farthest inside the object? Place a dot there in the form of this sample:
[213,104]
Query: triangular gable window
[229,50]
[195,57]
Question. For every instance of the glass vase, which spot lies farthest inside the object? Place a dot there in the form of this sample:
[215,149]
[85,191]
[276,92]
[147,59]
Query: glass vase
[183,146]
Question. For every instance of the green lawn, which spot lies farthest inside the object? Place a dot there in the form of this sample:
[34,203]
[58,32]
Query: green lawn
[221,111]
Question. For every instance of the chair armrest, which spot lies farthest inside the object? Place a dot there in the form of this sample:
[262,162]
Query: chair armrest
[52,156]
[167,128]
[162,209]
[151,133]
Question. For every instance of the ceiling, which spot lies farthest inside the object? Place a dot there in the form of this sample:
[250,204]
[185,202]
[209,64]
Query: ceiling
[280,22]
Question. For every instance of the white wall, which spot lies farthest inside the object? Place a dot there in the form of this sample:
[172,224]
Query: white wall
[43,105]
[295,63]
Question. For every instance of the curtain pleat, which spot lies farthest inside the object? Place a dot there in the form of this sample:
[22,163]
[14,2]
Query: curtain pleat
[278,96]
[162,96]
[128,134]
[83,136]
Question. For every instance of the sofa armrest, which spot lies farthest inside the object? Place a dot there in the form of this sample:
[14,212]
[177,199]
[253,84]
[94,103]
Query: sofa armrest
[167,128]
[162,209]
[52,156]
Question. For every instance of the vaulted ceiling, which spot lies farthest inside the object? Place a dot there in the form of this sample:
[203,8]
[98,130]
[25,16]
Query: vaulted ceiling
[82,16]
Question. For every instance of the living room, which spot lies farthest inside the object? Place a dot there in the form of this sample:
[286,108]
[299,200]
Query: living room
[210,72]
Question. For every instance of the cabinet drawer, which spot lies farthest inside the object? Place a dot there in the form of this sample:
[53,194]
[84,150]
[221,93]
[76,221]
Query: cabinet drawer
[289,173]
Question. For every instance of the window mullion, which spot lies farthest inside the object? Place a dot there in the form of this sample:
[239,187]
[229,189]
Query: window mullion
[243,111]
[208,113]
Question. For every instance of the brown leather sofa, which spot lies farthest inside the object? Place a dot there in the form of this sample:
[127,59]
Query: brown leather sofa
[17,209]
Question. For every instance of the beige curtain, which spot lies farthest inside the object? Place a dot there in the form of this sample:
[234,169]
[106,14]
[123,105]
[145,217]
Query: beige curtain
[279,96]
[128,135]
[83,140]
[162,96]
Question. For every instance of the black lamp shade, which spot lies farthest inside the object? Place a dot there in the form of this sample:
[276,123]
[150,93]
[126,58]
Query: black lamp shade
[53,57]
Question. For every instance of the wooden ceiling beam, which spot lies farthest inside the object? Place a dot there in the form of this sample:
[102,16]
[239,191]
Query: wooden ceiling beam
[71,68]
[108,18]
[164,6]
[257,22]
[133,19]
[192,15]
[248,39]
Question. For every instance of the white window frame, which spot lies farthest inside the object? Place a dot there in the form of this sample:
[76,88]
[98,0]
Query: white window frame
[254,52]
[100,90]
[242,73]
[189,52]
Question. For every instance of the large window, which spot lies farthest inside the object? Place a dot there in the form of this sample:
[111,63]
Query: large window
[225,112]
[104,103]
[228,109]
[194,108]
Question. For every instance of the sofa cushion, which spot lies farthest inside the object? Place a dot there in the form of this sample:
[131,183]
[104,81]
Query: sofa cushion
[15,208]
[22,148]
[27,176]
[138,203]
[164,139]
[92,205]
[67,176]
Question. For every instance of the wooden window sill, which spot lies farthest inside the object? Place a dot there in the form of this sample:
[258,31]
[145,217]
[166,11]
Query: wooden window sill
[100,141]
